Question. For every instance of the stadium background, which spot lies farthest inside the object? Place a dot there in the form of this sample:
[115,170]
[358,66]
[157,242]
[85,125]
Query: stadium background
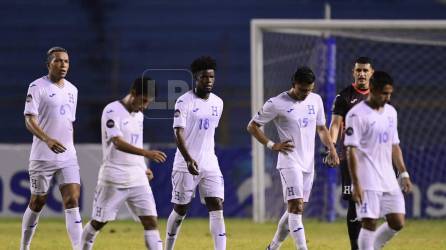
[112,42]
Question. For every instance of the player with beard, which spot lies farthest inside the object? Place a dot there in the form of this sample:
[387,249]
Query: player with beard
[372,143]
[297,114]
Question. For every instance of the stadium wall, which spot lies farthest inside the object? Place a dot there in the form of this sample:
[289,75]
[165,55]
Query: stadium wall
[427,201]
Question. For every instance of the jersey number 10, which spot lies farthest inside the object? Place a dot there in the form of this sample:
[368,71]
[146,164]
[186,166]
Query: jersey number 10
[383,137]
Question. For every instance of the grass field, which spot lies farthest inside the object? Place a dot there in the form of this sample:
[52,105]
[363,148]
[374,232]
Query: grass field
[241,234]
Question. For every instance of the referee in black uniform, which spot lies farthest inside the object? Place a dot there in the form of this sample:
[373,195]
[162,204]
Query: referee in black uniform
[344,101]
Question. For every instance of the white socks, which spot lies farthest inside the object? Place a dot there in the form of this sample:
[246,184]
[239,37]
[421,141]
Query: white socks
[297,230]
[383,234]
[153,240]
[29,225]
[366,239]
[73,223]
[217,226]
[173,227]
[88,236]
[281,233]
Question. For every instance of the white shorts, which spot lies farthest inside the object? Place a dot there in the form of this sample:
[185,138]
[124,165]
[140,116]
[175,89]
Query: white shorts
[296,184]
[377,204]
[184,185]
[108,201]
[66,172]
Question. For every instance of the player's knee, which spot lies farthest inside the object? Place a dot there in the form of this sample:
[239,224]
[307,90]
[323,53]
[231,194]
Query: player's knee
[214,203]
[180,209]
[369,224]
[397,225]
[37,202]
[97,225]
[149,222]
[70,201]
[296,206]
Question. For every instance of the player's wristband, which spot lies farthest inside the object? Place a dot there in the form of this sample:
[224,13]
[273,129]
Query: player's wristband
[270,144]
[404,174]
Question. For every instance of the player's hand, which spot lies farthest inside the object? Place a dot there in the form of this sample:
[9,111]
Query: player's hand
[55,146]
[357,194]
[406,185]
[332,159]
[149,174]
[192,167]
[283,147]
[155,155]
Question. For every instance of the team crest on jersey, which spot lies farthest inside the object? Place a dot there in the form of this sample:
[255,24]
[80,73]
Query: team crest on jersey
[349,131]
[110,123]
[177,113]
[29,98]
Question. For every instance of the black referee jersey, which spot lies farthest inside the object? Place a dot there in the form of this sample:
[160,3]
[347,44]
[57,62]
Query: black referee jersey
[344,101]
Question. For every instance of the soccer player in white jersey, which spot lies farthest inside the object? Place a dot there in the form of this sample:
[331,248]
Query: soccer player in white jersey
[372,144]
[50,111]
[197,114]
[122,176]
[297,114]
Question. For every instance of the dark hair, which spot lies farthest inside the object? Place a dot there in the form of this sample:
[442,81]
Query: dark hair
[303,75]
[51,51]
[203,63]
[364,60]
[142,86]
[380,79]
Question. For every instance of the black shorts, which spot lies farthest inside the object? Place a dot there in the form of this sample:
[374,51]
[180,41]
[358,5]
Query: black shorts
[346,182]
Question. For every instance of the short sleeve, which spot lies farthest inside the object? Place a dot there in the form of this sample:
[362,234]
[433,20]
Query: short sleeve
[320,116]
[340,106]
[112,123]
[74,107]
[220,112]
[396,138]
[32,102]
[180,114]
[353,130]
[266,114]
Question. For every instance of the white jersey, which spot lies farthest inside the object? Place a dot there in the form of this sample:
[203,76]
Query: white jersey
[121,169]
[373,133]
[295,121]
[55,108]
[199,118]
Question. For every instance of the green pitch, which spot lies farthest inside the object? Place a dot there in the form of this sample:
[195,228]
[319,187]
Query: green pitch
[241,234]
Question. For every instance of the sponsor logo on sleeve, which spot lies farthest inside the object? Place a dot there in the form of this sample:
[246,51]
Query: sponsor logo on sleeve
[29,98]
[349,131]
[110,123]
[177,113]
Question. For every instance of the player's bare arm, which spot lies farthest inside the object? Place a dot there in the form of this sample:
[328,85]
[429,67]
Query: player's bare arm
[398,161]
[326,139]
[352,166]
[35,129]
[124,146]
[335,126]
[192,165]
[283,147]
